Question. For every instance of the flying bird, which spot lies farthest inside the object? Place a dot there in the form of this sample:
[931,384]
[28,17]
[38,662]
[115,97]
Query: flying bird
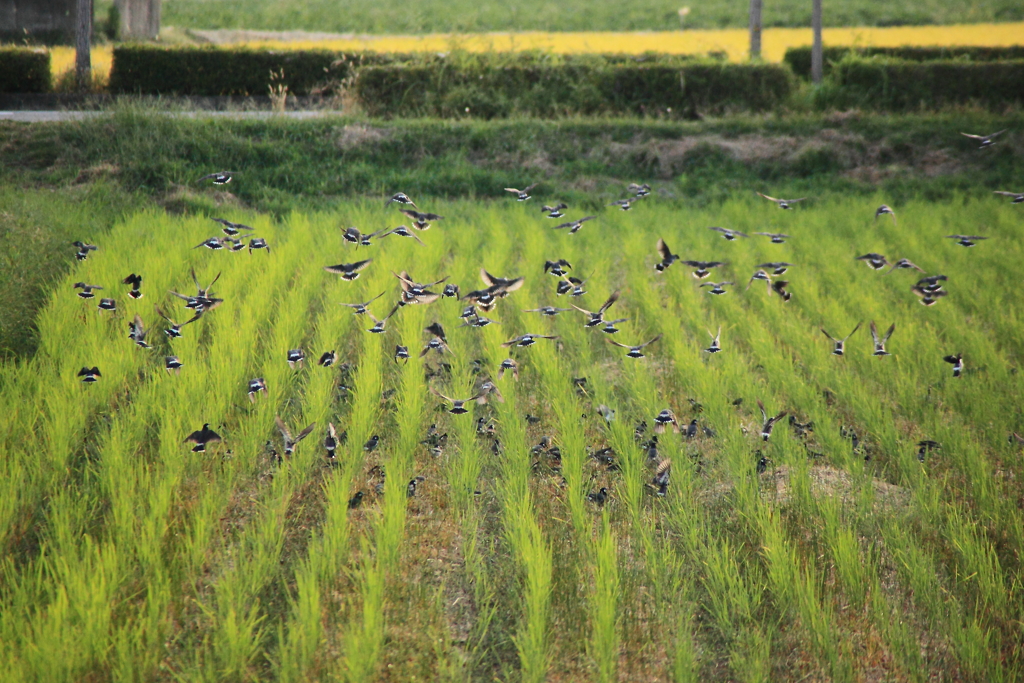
[378,325]
[521,195]
[348,271]
[295,357]
[779,287]
[597,318]
[403,231]
[136,282]
[984,140]
[716,287]
[137,332]
[839,345]
[634,351]
[525,340]
[768,422]
[639,190]
[508,365]
[729,234]
[716,345]
[286,435]
[89,375]
[421,220]
[219,178]
[667,257]
[874,261]
[782,203]
[173,364]
[557,268]
[554,211]
[880,342]
[256,386]
[331,440]
[957,362]
[904,264]
[231,229]
[546,310]
[87,290]
[761,275]
[400,198]
[202,437]
[574,226]
[258,243]
[401,353]
[174,331]
[458,405]
[777,267]
[885,209]
[777,237]
[703,268]
[966,240]
[361,308]
[1015,197]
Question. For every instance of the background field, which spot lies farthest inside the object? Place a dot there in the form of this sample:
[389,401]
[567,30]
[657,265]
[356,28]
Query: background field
[126,556]
[434,16]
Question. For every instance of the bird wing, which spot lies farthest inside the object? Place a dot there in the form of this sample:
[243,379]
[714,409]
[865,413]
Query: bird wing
[611,300]
[331,431]
[619,344]
[283,428]
[663,250]
[874,332]
[892,328]
[305,432]
[973,137]
[764,414]
[771,199]
[823,331]
[512,189]
[564,225]
[721,230]
[582,310]
[854,330]
[1007,194]
[438,393]
[650,342]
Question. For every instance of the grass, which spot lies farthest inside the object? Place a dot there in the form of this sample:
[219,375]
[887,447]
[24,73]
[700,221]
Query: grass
[127,555]
[344,16]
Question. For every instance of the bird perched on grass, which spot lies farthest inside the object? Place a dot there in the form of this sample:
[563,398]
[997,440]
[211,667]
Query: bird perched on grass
[768,423]
[522,195]
[839,345]
[879,342]
[348,271]
[331,441]
[356,500]
[598,497]
[634,351]
[201,438]
[782,203]
[926,446]
[984,140]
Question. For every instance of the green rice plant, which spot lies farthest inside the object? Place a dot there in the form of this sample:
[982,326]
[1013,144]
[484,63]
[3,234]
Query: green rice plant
[604,644]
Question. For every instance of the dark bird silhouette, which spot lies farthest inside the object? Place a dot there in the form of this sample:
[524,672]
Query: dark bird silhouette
[378,325]
[286,435]
[231,229]
[403,231]
[173,364]
[777,267]
[839,345]
[87,290]
[880,342]
[83,249]
[256,386]
[768,423]
[522,195]
[361,308]
[763,276]
[107,305]
[352,235]
[716,287]
[356,500]
[957,362]
[400,198]
[89,375]
[371,445]
[258,243]
[348,271]
[729,234]
[639,190]
[331,441]
[929,293]
[625,204]
[458,404]
[574,226]
[554,211]
[762,463]
[703,268]
[984,140]
[966,240]
[776,237]
[525,340]
[1015,197]
[201,438]
[925,447]
[782,203]
[327,359]
[596,318]
[904,264]
[546,310]
[557,268]
[779,287]
[665,419]
[137,332]
[598,497]
[451,291]
[634,351]
[874,261]
[667,257]
[661,477]
[421,220]
[214,243]
[136,282]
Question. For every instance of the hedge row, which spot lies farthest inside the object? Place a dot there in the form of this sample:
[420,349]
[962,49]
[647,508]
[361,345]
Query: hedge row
[395,91]
[900,85]
[209,71]
[24,70]
[799,58]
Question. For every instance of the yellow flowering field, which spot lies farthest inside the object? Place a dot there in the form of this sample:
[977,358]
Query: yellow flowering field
[733,42]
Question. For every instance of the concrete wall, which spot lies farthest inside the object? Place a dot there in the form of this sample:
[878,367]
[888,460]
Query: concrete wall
[40,21]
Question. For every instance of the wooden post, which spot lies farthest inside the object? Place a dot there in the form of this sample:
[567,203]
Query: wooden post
[83,44]
[755,29]
[816,56]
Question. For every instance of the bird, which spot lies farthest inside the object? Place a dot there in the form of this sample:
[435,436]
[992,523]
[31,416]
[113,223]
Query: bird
[957,362]
[401,353]
[569,284]
[782,203]
[136,282]
[487,390]
[639,190]
[137,332]
[729,234]
[554,211]
[371,444]
[777,267]
[880,343]
[984,140]
[361,308]
[874,261]
[663,419]
[779,287]
[661,477]
[574,226]
[546,310]
[609,325]
[231,229]
[761,275]
[295,357]
[966,240]
[107,305]
[885,209]
[327,359]
[355,500]
[400,198]
[219,178]
[716,287]
[354,236]
[478,321]
[525,340]
[557,268]
[202,437]
[929,293]
[348,271]
[667,257]
[421,220]
[776,237]
[597,318]
[801,428]
[378,325]
[762,463]
[173,364]
[508,365]
[1015,197]
[716,345]
[435,344]
[451,291]
[627,203]
[839,345]
[703,268]
[522,195]
[410,488]
[904,264]
[768,422]
[89,375]
[458,405]
[403,231]
[256,386]
[634,351]
[203,292]
[87,290]
[258,243]
[83,249]
[214,243]
[174,331]
[331,440]
[286,434]
[598,497]
[501,286]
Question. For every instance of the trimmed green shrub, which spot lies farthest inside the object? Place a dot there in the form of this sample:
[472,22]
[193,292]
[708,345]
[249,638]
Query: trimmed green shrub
[799,58]
[24,70]
[570,89]
[900,85]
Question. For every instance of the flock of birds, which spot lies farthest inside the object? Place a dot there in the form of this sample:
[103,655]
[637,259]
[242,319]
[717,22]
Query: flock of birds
[484,299]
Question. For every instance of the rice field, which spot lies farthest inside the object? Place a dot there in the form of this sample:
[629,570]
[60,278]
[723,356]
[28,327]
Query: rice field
[839,550]
[735,43]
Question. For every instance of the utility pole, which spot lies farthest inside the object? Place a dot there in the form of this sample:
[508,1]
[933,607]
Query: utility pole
[816,56]
[83,44]
[755,29]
